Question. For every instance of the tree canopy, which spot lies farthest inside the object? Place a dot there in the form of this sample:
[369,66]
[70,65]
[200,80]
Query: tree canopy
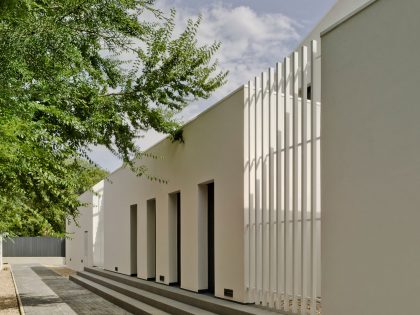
[77,73]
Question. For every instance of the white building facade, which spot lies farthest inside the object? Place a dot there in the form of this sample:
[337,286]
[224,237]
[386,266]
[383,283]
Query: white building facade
[161,230]
[236,210]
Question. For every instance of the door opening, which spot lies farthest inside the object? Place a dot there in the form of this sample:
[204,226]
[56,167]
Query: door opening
[133,240]
[151,239]
[206,237]
[86,248]
[210,236]
[178,236]
[174,239]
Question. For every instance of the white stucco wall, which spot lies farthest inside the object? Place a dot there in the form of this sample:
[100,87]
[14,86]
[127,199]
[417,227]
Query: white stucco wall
[98,225]
[91,220]
[75,243]
[213,151]
[371,162]
[340,10]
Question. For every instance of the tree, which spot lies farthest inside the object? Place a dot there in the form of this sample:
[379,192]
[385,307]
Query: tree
[76,73]
[23,217]
[89,175]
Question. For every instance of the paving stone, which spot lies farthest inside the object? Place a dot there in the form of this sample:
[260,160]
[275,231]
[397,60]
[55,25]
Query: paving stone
[42,291]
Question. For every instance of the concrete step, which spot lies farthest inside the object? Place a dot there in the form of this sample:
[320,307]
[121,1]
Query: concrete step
[204,302]
[160,302]
[129,304]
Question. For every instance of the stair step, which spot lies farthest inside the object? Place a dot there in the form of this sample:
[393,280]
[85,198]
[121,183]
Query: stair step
[204,302]
[152,299]
[129,304]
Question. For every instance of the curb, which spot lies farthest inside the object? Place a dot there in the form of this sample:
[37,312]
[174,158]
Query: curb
[21,310]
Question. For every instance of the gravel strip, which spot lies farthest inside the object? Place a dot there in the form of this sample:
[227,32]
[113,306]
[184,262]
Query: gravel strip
[8,300]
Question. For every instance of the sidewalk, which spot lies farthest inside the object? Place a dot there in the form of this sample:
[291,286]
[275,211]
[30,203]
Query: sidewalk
[43,291]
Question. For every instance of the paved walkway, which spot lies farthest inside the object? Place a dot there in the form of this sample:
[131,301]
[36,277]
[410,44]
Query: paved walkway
[42,292]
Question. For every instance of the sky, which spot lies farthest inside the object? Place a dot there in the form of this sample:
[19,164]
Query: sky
[255,34]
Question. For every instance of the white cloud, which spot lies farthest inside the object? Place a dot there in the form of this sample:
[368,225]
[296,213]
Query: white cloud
[251,43]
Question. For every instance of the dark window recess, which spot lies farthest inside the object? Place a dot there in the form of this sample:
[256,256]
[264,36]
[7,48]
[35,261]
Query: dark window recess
[162,278]
[81,260]
[116,268]
[70,259]
[228,292]
[309,92]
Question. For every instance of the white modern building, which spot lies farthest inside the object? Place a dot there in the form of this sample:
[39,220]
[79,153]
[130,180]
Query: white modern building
[187,230]
[236,209]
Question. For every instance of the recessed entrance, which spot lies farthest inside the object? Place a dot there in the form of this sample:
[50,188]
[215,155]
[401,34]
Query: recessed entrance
[133,240]
[178,237]
[175,238]
[151,239]
[206,237]
[86,248]
[210,236]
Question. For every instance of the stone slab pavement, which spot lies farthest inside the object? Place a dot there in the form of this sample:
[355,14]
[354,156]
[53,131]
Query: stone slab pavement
[43,291]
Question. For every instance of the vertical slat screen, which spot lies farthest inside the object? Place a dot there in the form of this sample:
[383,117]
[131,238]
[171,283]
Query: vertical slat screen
[264,176]
[295,242]
[280,183]
[252,163]
[282,215]
[288,184]
[304,126]
[258,188]
[271,172]
[247,191]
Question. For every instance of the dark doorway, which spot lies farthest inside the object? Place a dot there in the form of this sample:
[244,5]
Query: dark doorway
[210,236]
[151,239]
[133,240]
[86,248]
[178,237]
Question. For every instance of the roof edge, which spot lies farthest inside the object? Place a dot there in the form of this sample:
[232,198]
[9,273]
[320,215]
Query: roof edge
[347,17]
[186,123]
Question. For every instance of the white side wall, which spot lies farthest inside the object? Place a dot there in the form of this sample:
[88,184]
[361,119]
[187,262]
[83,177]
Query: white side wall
[340,10]
[90,232]
[371,162]
[75,243]
[213,151]
[98,225]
